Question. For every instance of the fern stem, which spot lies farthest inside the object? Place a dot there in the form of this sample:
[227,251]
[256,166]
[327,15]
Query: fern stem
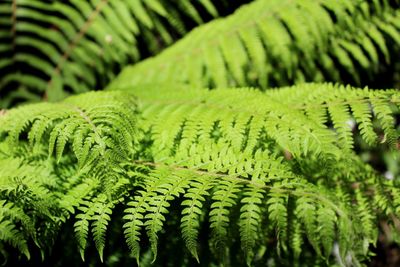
[88,120]
[14,24]
[74,42]
[250,111]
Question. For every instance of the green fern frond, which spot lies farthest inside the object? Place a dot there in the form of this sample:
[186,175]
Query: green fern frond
[306,214]
[135,214]
[209,132]
[168,189]
[132,228]
[326,220]
[57,47]
[249,221]
[193,204]
[10,234]
[26,198]
[224,198]
[292,125]
[72,128]
[81,228]
[277,213]
[270,43]
[101,218]
[296,240]
[81,121]
[267,169]
[367,217]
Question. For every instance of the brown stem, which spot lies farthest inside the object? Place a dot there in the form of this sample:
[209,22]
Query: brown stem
[73,43]
[14,24]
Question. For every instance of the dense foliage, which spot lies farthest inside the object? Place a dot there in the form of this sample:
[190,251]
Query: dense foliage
[51,48]
[224,176]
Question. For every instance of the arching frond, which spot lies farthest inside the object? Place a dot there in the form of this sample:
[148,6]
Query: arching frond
[225,177]
[228,116]
[270,43]
[50,49]
[79,132]
[272,171]
[242,137]
[84,122]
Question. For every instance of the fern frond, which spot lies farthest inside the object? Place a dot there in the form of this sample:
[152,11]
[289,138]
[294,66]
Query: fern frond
[275,114]
[270,43]
[132,228]
[336,103]
[81,228]
[10,234]
[267,169]
[101,218]
[277,213]
[224,198]
[249,221]
[26,185]
[169,188]
[231,133]
[193,204]
[59,47]
[326,220]
[306,214]
[135,214]
[83,117]
[367,217]
[296,240]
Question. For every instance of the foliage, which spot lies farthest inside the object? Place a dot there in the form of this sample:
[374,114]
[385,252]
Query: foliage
[52,48]
[228,176]
[275,43]
[46,190]
[262,161]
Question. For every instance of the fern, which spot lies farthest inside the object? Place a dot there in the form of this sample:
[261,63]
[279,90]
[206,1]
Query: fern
[188,152]
[225,160]
[101,219]
[87,126]
[192,211]
[201,159]
[51,49]
[270,43]
[282,108]
[72,128]
[223,199]
[82,228]
[249,221]
[226,177]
